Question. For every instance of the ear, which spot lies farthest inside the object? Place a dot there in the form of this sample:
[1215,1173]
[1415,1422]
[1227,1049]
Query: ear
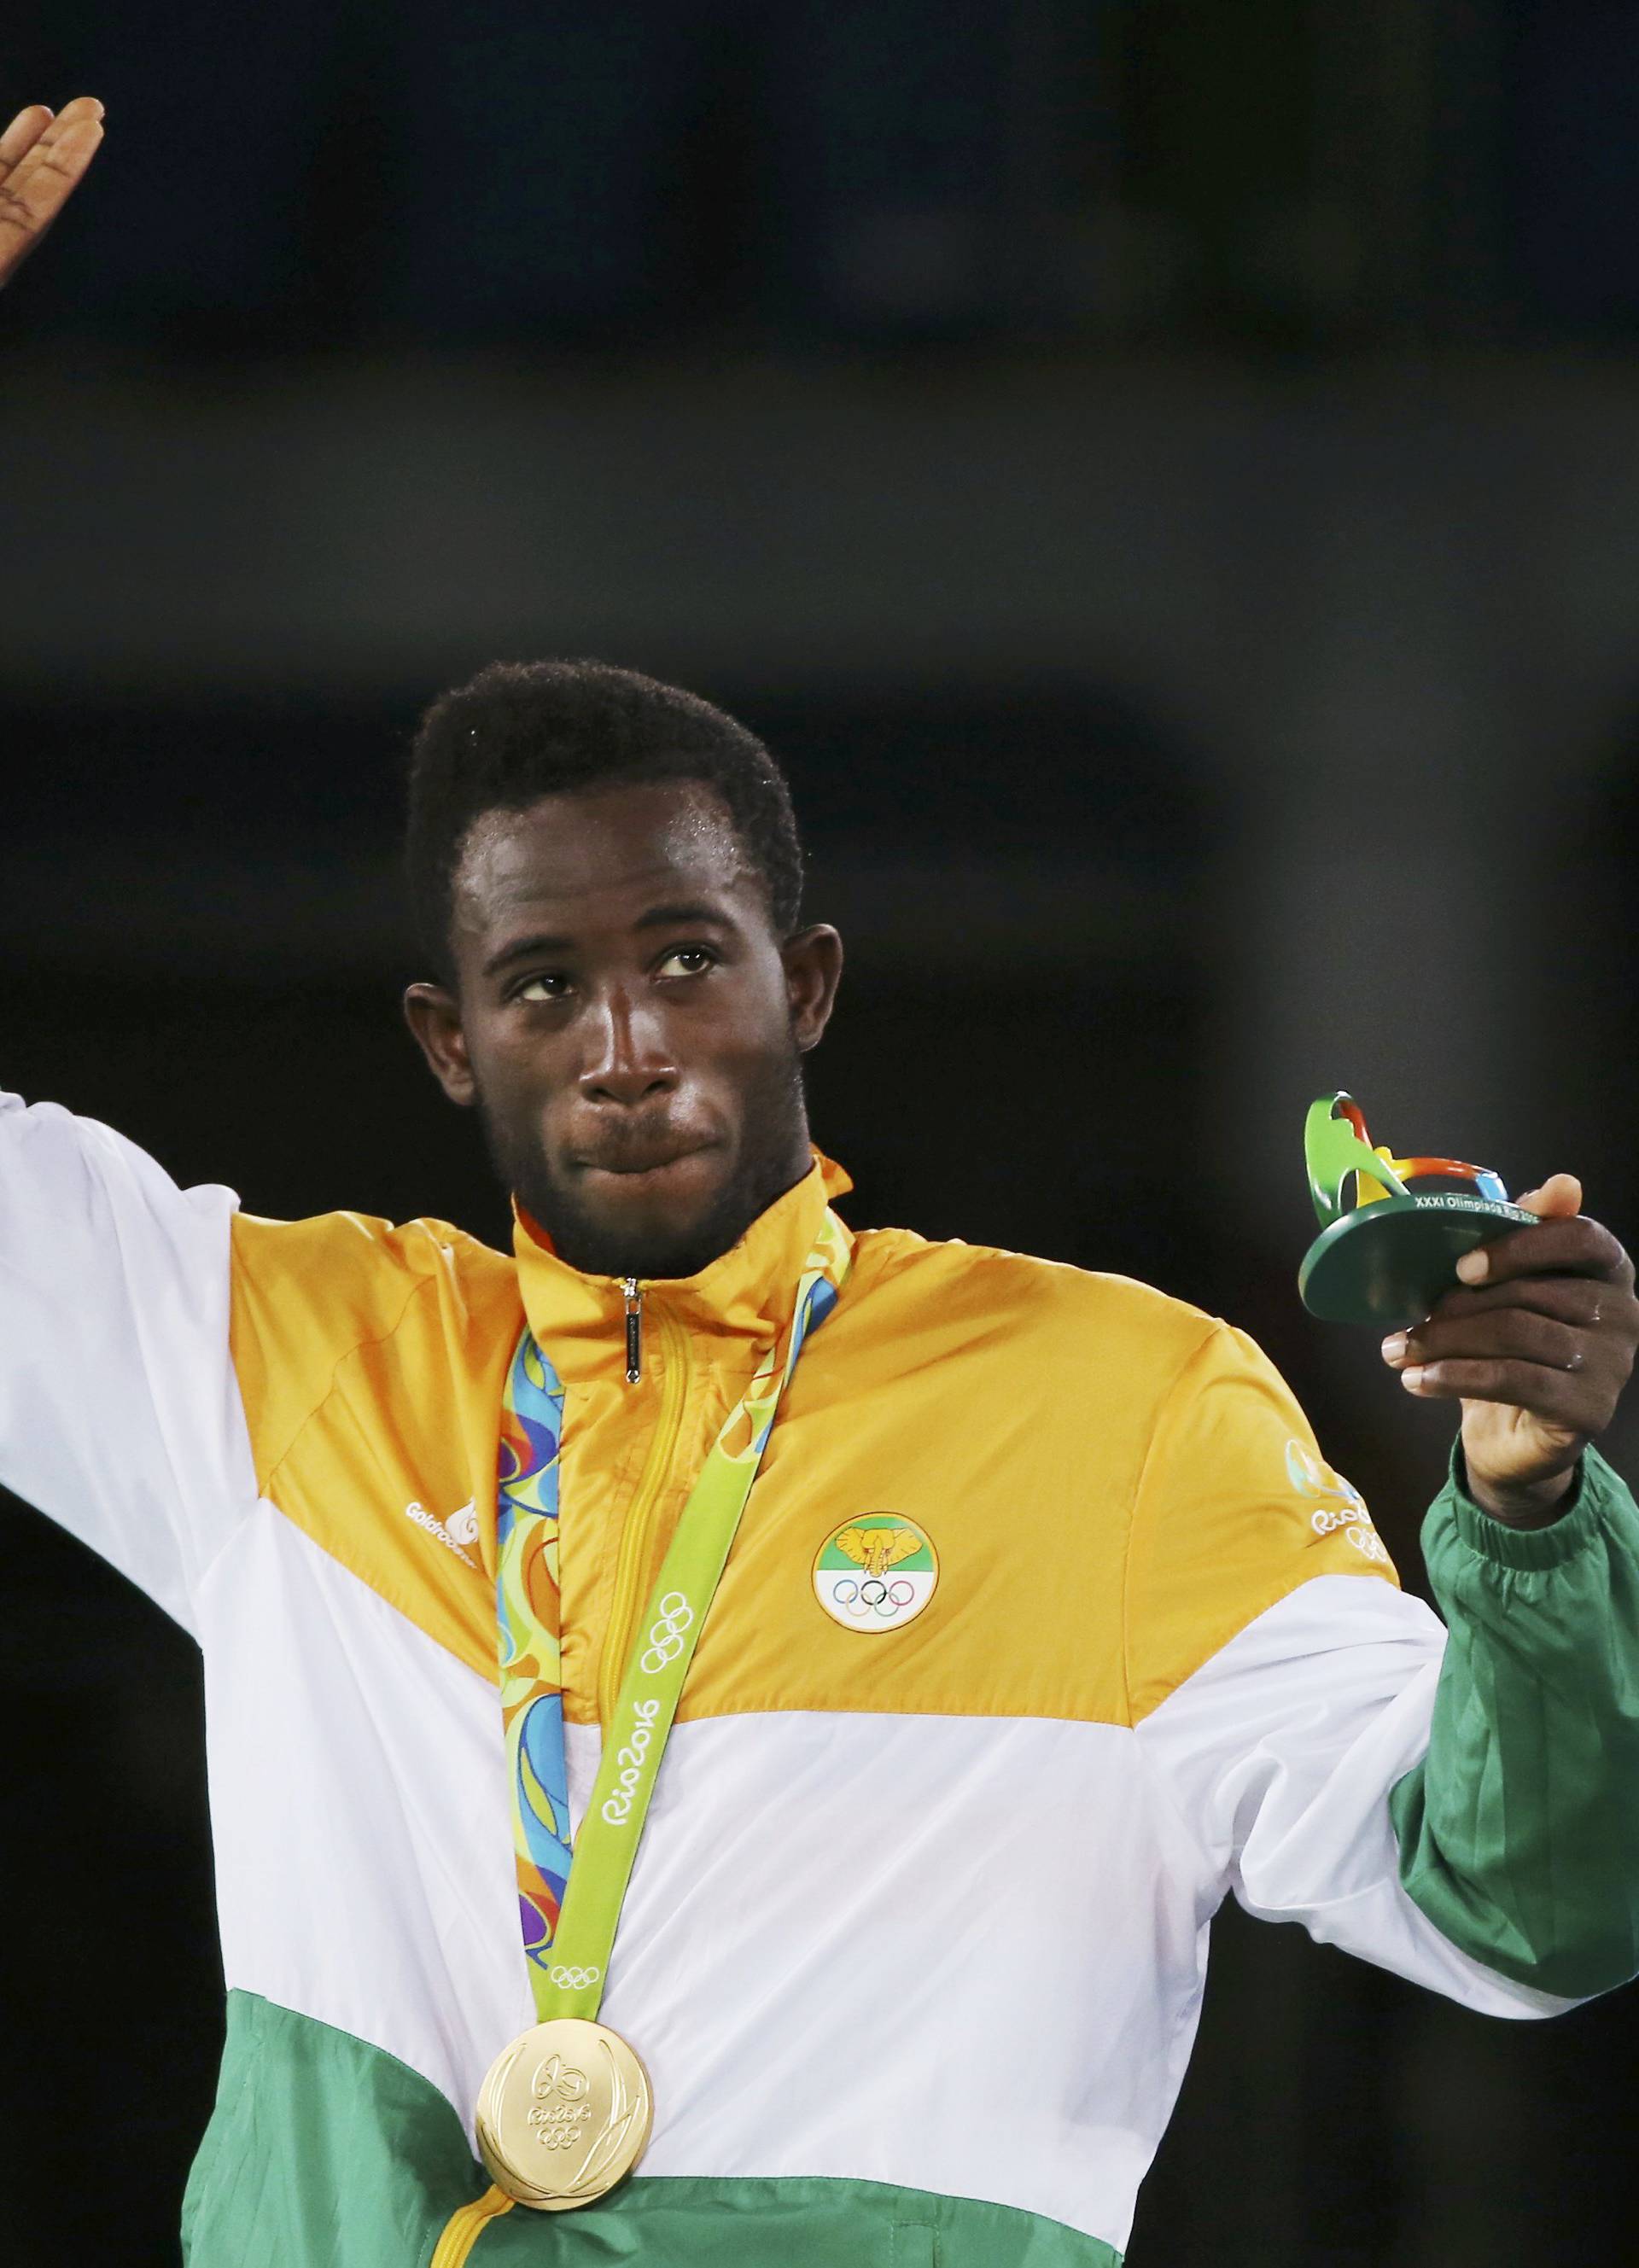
[433,1015]
[812,965]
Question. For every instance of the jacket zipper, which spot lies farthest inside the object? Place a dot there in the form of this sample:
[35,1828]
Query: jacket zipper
[637,1532]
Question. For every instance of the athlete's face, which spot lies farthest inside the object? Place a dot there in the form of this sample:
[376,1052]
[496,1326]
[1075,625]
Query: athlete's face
[628,1024]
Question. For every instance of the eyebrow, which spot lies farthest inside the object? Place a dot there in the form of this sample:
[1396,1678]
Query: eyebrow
[667,917]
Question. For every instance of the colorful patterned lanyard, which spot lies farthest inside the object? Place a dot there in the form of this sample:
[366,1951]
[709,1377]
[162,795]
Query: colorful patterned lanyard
[531,1659]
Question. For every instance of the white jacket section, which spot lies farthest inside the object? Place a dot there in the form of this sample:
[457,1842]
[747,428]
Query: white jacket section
[1280,1752]
[358,1810]
[119,1412]
[842,1927]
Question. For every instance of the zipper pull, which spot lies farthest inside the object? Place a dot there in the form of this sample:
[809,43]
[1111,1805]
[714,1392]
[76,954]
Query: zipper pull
[633,1294]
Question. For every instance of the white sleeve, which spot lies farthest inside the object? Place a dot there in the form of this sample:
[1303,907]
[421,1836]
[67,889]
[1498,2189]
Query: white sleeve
[120,1415]
[1280,1751]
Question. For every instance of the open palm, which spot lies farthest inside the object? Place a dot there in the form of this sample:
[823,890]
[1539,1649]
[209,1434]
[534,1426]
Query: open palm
[42,161]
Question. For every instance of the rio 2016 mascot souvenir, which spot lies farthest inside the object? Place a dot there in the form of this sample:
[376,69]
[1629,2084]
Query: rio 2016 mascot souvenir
[1386,1259]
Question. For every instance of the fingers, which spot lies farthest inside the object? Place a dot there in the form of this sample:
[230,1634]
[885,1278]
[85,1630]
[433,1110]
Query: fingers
[1559,1397]
[45,158]
[1582,1301]
[1560,1194]
[67,145]
[1574,1246]
[1552,1332]
[1567,1373]
[77,126]
[1520,1333]
[21,134]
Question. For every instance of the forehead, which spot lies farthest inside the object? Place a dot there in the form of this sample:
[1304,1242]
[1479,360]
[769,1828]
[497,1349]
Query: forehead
[595,858]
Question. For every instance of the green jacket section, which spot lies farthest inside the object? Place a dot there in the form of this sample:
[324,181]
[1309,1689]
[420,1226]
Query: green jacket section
[674,2221]
[325,2152]
[321,2149]
[1519,1831]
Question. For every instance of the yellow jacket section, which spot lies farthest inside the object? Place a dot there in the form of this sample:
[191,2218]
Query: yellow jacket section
[371,1361]
[1114,1483]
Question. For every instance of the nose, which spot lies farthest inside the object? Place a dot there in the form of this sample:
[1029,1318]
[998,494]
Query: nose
[628,1061]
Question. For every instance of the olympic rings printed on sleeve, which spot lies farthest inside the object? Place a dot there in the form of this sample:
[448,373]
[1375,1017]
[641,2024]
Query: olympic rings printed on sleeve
[666,1637]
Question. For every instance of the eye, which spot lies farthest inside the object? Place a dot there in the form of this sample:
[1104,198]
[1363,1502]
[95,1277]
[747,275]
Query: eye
[687,960]
[551,984]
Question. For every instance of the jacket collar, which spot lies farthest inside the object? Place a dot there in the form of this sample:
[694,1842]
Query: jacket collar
[738,1304]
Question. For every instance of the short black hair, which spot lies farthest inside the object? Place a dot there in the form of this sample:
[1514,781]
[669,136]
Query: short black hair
[519,730]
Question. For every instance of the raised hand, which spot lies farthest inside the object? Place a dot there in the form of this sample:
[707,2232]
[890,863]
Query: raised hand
[42,162]
[1536,1347]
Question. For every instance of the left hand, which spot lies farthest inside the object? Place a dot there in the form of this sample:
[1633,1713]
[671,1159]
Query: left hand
[1536,1345]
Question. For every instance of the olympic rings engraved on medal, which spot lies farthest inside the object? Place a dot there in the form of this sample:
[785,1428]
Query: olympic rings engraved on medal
[575,1979]
[666,1637]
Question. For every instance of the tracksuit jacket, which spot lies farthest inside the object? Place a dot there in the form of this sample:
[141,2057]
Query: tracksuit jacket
[915,1944]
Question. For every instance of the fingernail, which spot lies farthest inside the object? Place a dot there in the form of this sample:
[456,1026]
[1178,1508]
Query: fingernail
[1394,1347]
[1474,1267]
[1411,1379]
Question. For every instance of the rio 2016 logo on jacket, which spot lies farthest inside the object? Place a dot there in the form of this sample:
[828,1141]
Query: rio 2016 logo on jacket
[875,1573]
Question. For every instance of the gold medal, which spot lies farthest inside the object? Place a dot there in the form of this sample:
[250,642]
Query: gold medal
[564,2114]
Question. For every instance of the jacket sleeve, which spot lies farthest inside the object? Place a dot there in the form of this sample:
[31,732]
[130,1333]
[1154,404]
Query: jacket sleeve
[120,1415]
[1431,1805]
[1518,1831]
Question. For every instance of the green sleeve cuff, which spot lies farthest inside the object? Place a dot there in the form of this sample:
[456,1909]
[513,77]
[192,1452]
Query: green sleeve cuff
[1518,1834]
[1596,1495]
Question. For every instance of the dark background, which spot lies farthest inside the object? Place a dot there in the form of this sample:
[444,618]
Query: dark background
[1162,476]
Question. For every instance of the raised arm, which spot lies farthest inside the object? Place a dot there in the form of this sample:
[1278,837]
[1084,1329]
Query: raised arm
[43,160]
[119,1414]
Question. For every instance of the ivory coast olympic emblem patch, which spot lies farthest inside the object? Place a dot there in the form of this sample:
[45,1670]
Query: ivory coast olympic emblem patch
[875,1571]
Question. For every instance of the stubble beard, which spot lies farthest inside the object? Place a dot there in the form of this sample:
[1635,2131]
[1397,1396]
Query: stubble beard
[773,1153]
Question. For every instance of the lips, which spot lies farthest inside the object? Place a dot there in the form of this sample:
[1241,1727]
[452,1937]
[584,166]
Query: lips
[629,1162]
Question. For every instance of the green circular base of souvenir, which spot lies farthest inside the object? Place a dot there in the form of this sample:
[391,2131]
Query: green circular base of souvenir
[1387,1264]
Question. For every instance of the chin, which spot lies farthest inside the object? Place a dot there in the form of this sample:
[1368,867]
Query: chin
[672,1220]
[659,1212]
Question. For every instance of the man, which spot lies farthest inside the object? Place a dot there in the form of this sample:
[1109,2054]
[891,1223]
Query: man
[906,1646]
